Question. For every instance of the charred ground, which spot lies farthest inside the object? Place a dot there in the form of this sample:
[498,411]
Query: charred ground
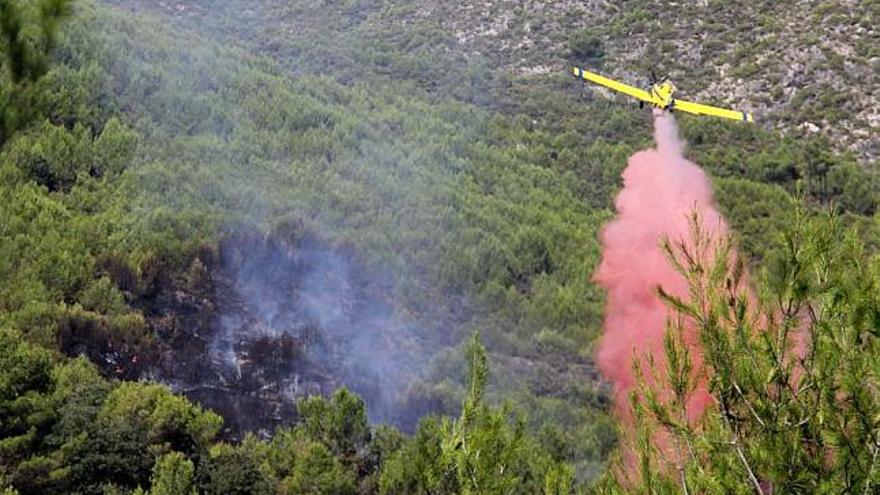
[257,322]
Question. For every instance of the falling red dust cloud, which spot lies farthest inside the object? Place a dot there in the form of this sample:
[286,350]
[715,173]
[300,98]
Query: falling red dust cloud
[662,191]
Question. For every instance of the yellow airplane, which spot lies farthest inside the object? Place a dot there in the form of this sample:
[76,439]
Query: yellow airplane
[660,94]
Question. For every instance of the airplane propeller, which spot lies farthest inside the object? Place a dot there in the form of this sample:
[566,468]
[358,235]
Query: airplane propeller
[655,80]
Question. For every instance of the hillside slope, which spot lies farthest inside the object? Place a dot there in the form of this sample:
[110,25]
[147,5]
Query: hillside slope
[256,201]
[257,237]
[801,66]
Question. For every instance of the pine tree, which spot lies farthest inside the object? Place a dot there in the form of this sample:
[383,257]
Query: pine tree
[792,372]
[173,475]
[28,33]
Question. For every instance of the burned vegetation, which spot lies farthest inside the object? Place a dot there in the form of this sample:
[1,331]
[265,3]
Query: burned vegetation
[255,323]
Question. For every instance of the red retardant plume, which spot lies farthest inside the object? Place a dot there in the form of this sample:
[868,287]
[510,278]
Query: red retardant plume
[662,191]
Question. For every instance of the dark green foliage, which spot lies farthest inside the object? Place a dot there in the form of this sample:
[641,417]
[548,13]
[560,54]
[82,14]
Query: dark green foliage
[757,213]
[117,454]
[230,470]
[63,429]
[318,472]
[483,451]
[807,164]
[385,442]
[480,196]
[135,425]
[26,368]
[173,475]
[585,48]
[107,208]
[339,423]
[28,32]
[412,469]
[170,421]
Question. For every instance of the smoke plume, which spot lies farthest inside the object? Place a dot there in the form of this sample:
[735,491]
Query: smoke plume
[327,309]
[662,191]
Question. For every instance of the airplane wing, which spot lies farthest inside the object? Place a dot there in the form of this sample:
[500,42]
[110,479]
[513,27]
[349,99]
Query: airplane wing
[626,89]
[698,109]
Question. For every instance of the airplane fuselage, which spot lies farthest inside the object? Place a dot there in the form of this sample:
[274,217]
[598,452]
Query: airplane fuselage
[662,93]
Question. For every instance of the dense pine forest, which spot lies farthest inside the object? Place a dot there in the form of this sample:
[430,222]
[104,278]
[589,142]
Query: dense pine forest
[346,247]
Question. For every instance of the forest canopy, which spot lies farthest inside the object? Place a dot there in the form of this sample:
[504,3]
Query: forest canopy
[144,157]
